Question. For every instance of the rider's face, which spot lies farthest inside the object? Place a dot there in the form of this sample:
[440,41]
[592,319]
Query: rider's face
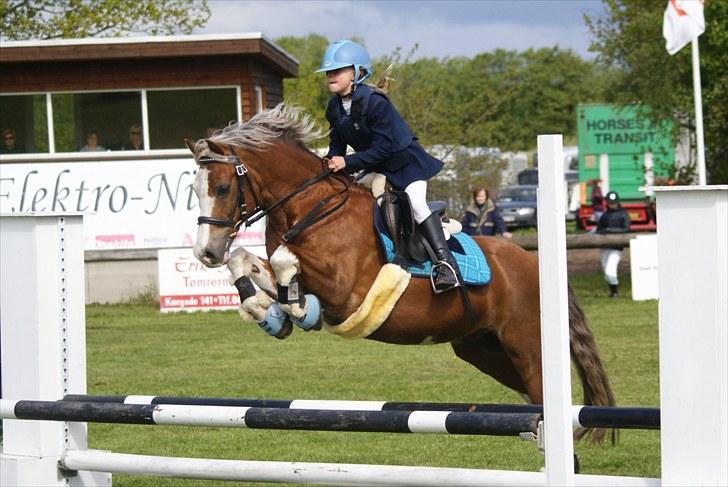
[340,81]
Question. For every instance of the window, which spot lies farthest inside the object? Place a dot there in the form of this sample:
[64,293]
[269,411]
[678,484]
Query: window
[192,113]
[114,121]
[109,116]
[23,124]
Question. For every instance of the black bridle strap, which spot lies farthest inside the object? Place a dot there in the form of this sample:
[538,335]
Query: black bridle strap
[309,182]
[308,219]
[314,216]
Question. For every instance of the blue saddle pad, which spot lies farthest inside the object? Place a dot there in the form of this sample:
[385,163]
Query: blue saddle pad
[473,266]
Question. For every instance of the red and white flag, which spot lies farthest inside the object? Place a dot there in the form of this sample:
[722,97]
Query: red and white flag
[682,23]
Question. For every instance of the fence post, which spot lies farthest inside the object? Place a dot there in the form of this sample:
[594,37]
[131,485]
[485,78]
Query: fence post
[555,356]
[43,342]
[692,259]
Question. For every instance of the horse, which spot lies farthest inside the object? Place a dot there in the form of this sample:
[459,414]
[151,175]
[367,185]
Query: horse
[264,163]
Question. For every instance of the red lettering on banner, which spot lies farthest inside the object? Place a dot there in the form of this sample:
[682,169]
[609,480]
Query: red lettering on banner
[199,301]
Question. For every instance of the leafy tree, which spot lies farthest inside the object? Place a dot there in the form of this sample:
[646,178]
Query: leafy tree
[52,19]
[628,37]
[308,90]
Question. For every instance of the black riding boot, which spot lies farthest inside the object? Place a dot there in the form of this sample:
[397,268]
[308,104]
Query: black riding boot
[446,272]
[613,291]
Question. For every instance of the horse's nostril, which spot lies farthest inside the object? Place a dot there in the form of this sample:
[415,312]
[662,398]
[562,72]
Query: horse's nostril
[210,256]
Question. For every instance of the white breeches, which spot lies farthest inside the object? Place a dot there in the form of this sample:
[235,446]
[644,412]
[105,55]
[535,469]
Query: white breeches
[417,192]
[610,261]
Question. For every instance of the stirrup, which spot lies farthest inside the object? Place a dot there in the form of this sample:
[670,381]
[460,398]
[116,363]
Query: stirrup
[435,268]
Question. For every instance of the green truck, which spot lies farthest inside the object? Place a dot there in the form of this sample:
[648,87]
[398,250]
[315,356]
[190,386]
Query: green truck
[626,152]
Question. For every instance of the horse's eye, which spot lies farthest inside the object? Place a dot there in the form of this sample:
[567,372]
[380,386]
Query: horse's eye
[222,191]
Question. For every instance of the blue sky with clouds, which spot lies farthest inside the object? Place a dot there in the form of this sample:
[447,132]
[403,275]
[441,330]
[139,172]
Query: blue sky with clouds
[441,28]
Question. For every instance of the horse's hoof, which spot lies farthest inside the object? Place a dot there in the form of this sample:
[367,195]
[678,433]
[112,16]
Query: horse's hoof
[286,330]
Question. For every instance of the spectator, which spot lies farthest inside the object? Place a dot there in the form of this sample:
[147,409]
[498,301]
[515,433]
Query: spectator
[135,138]
[614,220]
[9,145]
[92,143]
[482,217]
[597,200]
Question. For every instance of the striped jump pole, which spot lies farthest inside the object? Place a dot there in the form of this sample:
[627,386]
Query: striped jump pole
[582,416]
[442,422]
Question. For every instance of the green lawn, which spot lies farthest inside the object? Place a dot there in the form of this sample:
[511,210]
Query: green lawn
[133,349]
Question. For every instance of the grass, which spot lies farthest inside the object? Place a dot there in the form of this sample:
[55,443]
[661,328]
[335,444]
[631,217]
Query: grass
[132,348]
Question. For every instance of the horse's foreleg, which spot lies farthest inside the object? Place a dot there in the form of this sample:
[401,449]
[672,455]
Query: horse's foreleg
[304,310]
[485,352]
[258,305]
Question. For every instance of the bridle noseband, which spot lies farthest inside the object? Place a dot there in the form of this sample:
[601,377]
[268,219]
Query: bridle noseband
[313,216]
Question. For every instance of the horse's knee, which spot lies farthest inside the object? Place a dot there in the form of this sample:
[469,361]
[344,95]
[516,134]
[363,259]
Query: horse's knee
[285,265]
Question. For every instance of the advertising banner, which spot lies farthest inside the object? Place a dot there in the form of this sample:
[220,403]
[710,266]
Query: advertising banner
[643,267]
[127,204]
[187,285]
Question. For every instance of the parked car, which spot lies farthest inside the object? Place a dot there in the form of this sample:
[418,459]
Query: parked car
[517,205]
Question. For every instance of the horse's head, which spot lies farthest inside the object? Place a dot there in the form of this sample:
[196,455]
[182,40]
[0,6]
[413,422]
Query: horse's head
[218,189]
[237,169]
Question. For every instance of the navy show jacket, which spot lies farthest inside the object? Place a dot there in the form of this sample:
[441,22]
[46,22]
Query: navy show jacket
[382,140]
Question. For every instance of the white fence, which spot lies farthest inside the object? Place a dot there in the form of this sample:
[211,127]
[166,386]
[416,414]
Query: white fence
[43,351]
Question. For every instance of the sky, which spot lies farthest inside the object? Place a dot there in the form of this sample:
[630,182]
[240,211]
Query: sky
[440,28]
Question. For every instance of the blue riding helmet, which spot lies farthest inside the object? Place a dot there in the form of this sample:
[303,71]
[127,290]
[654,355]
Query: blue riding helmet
[345,53]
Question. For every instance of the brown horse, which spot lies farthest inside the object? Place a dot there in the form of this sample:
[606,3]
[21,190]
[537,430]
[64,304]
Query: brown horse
[339,258]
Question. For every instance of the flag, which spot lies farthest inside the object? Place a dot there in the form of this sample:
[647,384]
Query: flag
[683,22]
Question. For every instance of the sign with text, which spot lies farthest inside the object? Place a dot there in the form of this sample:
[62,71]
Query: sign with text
[187,285]
[643,266]
[128,204]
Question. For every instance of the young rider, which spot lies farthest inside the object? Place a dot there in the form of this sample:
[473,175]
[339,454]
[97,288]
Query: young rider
[366,120]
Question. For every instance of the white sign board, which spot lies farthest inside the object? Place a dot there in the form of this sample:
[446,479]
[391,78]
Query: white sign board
[643,264]
[187,285]
[128,204]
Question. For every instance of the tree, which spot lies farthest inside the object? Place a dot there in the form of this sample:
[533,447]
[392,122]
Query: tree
[308,90]
[628,37]
[53,19]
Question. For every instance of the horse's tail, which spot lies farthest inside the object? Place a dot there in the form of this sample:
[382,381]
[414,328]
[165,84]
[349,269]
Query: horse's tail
[594,380]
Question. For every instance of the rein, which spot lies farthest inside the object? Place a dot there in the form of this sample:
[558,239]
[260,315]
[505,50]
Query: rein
[313,216]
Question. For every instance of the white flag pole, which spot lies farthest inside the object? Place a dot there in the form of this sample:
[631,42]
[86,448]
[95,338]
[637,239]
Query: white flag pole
[698,113]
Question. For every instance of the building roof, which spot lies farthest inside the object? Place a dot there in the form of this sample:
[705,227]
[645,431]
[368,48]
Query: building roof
[141,47]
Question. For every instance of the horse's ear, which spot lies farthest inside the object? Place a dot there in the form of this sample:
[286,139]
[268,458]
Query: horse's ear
[190,145]
[214,147]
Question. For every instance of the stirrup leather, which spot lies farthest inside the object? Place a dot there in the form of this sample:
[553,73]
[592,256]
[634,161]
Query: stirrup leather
[435,269]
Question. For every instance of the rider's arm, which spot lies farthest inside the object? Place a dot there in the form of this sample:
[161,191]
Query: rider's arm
[380,119]
[337,146]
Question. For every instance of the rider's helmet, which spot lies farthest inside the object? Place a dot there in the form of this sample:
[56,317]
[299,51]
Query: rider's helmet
[612,198]
[345,53]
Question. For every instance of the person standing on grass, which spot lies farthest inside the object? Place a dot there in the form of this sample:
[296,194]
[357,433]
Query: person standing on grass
[482,217]
[597,200]
[614,220]
[362,117]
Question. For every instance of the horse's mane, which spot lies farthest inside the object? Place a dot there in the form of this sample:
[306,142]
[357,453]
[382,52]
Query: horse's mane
[286,123]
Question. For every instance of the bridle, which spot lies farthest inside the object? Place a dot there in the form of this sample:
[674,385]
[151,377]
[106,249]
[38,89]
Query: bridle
[313,216]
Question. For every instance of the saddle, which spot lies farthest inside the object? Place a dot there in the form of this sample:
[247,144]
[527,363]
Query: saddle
[399,221]
[402,243]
